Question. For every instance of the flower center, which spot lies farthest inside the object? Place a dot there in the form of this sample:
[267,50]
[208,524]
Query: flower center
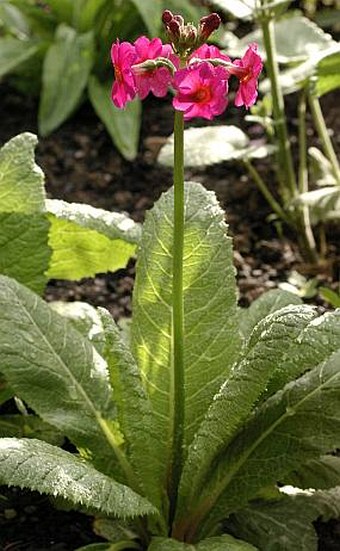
[202,95]
[118,73]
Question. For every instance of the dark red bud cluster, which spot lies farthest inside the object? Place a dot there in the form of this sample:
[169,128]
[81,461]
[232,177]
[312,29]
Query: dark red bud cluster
[208,25]
[186,37]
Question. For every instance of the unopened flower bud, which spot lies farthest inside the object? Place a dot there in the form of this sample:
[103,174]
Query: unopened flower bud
[167,17]
[208,25]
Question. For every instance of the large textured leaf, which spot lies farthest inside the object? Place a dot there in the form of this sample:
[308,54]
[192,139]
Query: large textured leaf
[309,40]
[21,180]
[286,524]
[272,340]
[220,543]
[57,372]
[212,339]
[123,125]
[213,144]
[85,319]
[66,69]
[39,466]
[86,240]
[25,253]
[13,52]
[263,306]
[133,411]
[295,425]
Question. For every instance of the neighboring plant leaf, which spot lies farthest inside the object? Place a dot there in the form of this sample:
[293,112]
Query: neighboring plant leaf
[25,254]
[47,469]
[225,542]
[323,67]
[133,411]
[328,74]
[57,373]
[13,52]
[63,9]
[67,65]
[320,168]
[29,426]
[303,420]
[273,338]
[241,9]
[85,319]
[308,41]
[208,145]
[21,179]
[85,13]
[86,240]
[323,203]
[13,20]
[331,296]
[118,546]
[263,306]
[151,13]
[321,474]
[210,312]
[113,530]
[123,125]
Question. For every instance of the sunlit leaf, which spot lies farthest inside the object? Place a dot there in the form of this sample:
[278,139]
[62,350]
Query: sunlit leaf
[13,52]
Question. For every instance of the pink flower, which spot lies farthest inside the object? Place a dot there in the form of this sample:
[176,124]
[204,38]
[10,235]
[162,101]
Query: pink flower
[208,52]
[247,70]
[124,89]
[201,91]
[156,80]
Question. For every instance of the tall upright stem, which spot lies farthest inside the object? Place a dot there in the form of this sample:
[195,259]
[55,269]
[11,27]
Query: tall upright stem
[306,237]
[321,128]
[177,314]
[288,186]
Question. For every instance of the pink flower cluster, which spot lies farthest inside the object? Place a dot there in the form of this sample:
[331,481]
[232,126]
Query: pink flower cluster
[200,87]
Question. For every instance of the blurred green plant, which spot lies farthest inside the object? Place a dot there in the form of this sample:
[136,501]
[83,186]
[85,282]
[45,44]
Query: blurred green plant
[60,50]
[304,196]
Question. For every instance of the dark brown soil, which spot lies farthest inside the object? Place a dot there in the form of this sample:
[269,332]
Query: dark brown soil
[82,165]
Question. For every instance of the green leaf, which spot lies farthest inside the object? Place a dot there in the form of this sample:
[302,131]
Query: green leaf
[241,9]
[6,393]
[63,9]
[21,179]
[13,20]
[209,309]
[86,240]
[273,339]
[263,306]
[328,74]
[287,522]
[322,66]
[282,525]
[297,424]
[119,546]
[14,52]
[47,469]
[322,474]
[67,66]
[123,125]
[85,13]
[331,296]
[25,253]
[323,203]
[133,411]
[57,373]
[29,426]
[213,144]
[219,543]
[308,41]
[151,13]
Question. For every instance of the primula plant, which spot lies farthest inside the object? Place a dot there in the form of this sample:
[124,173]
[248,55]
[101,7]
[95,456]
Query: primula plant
[207,427]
